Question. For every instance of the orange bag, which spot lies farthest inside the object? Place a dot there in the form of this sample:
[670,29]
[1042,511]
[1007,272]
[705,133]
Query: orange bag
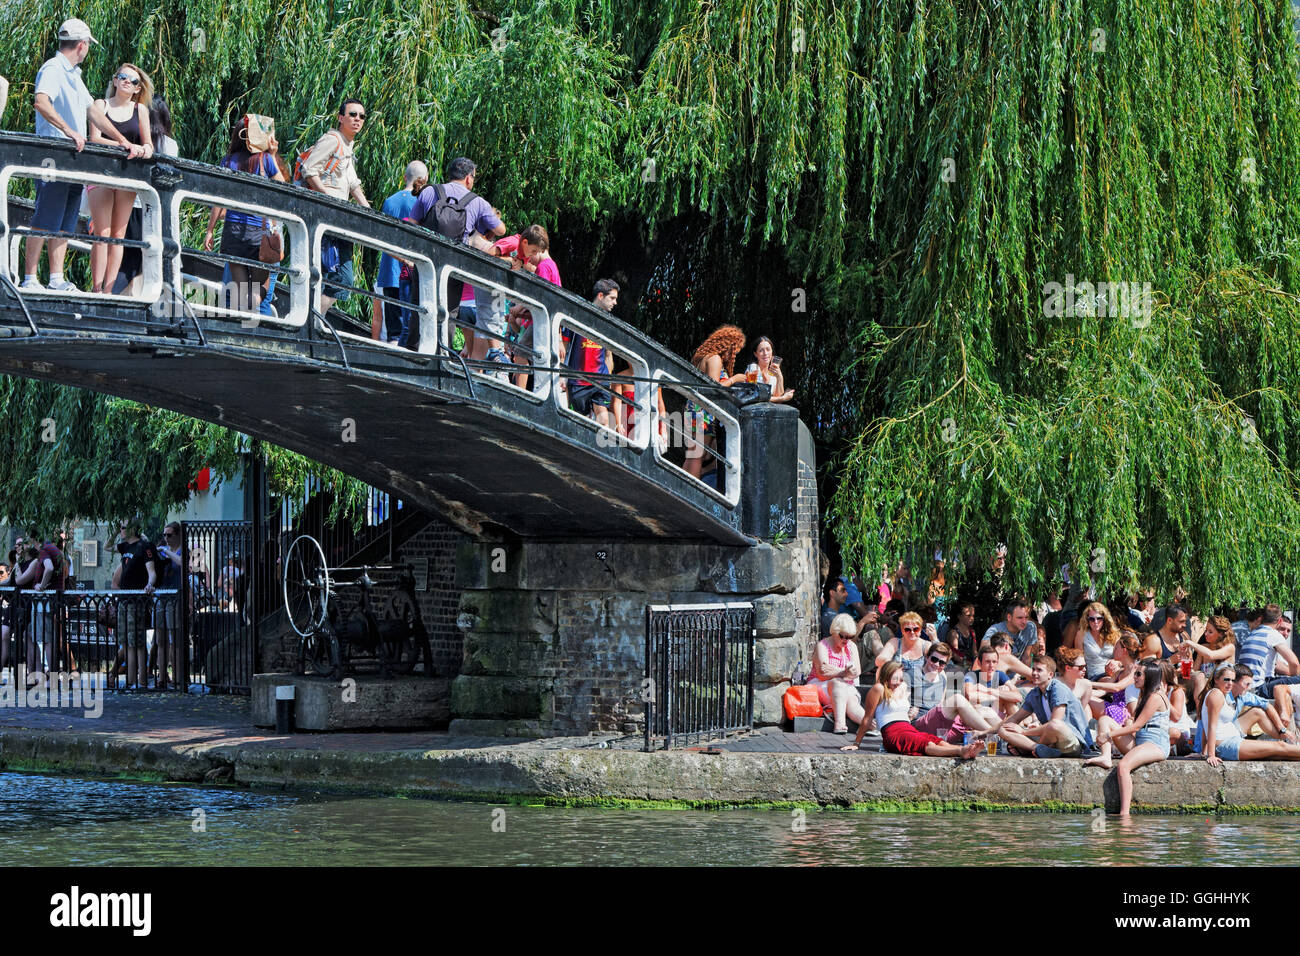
[802,702]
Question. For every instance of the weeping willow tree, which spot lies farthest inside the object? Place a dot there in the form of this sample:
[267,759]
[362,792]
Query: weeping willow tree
[919,201]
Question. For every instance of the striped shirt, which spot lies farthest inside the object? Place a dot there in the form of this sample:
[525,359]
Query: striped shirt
[1259,650]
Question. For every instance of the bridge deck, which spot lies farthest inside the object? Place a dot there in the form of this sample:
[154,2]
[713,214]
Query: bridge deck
[487,456]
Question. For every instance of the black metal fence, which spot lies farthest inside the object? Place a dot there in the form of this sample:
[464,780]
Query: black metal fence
[89,632]
[699,675]
[221,592]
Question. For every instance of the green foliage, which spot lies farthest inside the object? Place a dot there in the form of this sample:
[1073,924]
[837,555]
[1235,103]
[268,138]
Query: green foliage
[924,171]
[1152,153]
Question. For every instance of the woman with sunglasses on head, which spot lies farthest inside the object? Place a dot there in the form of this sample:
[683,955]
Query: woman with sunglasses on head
[126,104]
[1096,635]
[241,232]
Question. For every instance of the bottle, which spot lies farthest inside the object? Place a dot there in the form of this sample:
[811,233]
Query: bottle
[797,679]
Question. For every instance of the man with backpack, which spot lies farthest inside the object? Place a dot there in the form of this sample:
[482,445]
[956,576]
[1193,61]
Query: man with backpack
[456,212]
[330,168]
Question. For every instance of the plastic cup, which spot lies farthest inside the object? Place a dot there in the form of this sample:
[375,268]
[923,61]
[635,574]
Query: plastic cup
[991,746]
[1185,668]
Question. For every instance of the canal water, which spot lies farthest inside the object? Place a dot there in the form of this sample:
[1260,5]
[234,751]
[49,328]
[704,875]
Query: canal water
[56,821]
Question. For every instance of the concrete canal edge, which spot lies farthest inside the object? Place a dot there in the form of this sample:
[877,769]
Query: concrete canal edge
[621,777]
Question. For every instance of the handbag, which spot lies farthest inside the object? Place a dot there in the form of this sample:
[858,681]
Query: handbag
[270,249]
[802,701]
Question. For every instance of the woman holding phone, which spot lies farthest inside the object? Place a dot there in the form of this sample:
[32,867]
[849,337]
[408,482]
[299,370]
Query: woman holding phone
[769,371]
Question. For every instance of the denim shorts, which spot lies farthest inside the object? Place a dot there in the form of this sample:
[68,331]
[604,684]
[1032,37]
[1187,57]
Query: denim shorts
[343,275]
[57,207]
[583,397]
[1228,749]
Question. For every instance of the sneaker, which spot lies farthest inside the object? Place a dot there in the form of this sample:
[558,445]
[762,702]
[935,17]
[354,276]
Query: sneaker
[33,285]
[63,285]
[498,356]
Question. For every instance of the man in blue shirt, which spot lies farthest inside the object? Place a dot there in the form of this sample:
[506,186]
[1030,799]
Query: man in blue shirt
[1022,631]
[1062,729]
[63,107]
[400,205]
[480,308]
[1253,710]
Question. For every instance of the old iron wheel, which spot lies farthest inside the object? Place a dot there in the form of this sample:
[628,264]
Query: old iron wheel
[318,653]
[306,585]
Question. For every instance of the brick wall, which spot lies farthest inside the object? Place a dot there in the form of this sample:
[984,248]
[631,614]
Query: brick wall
[438,605]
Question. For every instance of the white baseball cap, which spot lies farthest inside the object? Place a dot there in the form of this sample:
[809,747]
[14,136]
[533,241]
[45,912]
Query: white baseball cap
[75,30]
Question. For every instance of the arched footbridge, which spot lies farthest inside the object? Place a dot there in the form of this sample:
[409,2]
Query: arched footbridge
[457,438]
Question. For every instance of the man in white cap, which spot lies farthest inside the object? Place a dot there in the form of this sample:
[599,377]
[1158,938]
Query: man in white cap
[63,106]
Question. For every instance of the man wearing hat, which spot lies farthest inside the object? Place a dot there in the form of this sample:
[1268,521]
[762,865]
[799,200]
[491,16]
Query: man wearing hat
[63,106]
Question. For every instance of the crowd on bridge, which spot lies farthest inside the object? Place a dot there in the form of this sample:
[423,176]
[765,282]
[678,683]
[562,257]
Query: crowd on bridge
[1116,683]
[495,332]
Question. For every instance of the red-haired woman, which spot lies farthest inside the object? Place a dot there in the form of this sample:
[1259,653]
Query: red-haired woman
[716,358]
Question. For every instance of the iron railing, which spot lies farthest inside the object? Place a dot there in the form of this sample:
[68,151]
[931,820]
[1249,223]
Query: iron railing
[172,263]
[85,631]
[699,673]
[221,590]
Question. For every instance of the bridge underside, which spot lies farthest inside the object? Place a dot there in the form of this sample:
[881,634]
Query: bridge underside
[440,451]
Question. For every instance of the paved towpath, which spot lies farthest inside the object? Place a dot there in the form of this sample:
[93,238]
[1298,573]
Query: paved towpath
[223,720]
[211,738]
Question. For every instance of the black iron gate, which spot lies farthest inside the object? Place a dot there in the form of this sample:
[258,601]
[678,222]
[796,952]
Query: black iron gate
[220,592]
[699,674]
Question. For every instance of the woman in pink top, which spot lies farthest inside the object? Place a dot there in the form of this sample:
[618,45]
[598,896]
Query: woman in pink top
[527,251]
[835,673]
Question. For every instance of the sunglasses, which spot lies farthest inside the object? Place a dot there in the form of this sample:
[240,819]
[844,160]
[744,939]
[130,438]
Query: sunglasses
[355,115]
[911,630]
[1096,619]
[134,81]
[938,660]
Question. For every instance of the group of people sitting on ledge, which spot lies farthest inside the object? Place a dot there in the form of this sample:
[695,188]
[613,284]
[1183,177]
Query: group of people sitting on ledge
[1124,697]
